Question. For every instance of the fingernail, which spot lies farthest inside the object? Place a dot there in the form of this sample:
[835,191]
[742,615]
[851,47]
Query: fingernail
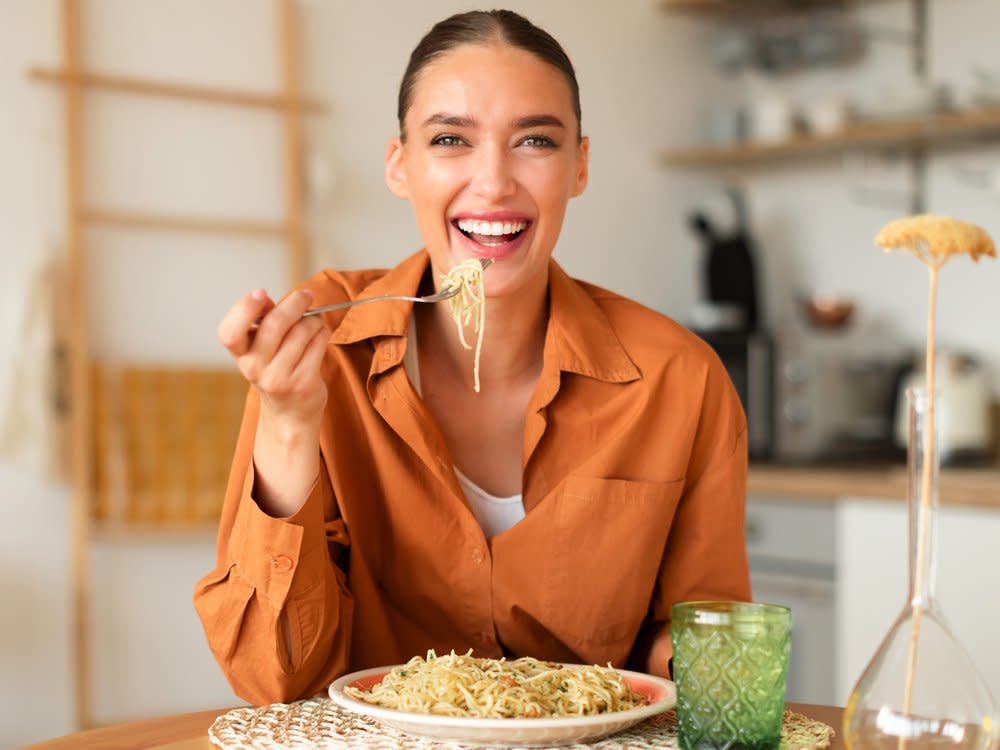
[307,295]
[258,294]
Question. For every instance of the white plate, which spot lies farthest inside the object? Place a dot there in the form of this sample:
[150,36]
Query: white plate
[660,693]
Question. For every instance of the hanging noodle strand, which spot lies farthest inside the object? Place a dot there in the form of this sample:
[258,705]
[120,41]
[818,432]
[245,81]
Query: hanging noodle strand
[468,307]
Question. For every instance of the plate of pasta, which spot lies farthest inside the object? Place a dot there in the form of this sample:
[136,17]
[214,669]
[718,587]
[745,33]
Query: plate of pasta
[503,703]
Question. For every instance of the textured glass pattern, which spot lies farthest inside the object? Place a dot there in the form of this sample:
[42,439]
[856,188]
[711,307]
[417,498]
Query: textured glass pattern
[730,664]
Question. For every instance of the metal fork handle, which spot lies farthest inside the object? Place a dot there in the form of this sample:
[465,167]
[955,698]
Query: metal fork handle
[442,295]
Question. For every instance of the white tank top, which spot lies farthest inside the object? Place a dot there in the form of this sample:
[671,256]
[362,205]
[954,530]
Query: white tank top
[495,514]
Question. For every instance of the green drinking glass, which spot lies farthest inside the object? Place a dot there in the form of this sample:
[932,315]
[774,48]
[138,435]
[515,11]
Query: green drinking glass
[730,665]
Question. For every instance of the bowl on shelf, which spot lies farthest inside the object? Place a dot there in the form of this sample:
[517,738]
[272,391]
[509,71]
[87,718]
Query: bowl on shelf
[827,311]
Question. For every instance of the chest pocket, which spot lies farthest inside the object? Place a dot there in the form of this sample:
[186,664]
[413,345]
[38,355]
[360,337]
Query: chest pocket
[608,541]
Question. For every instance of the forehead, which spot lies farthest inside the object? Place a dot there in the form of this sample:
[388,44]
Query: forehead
[494,78]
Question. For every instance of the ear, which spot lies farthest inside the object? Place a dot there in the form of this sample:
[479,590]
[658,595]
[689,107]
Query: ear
[582,166]
[395,173]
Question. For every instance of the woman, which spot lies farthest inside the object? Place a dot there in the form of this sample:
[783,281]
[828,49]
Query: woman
[379,506]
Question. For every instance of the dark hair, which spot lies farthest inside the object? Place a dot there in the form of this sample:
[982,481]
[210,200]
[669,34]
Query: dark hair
[480,27]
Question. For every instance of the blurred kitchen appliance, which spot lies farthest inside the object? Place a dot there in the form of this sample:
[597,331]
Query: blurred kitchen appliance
[834,401]
[749,360]
[728,266]
[965,404]
[727,317]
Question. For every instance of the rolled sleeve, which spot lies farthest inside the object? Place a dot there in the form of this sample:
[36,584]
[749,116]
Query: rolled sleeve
[276,608]
[268,552]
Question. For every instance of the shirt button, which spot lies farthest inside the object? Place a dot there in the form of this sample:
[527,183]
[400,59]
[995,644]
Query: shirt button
[282,562]
[478,556]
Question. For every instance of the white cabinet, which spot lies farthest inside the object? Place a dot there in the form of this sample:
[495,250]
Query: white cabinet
[791,547]
[872,582]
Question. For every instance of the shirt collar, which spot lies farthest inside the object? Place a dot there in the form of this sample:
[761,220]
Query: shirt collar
[580,337]
[385,318]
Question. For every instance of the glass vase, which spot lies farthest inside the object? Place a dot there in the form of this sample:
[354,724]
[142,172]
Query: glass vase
[921,690]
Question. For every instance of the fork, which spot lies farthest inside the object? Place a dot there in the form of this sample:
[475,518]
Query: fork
[446,293]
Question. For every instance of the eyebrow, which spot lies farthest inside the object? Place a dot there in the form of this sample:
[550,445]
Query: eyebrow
[455,121]
[537,121]
[463,121]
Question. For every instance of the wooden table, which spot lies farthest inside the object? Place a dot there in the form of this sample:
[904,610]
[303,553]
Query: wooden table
[190,732]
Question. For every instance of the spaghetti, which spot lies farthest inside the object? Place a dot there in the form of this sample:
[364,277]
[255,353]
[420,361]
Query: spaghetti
[463,685]
[469,305]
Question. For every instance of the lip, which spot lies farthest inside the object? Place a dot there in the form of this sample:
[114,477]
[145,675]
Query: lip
[498,252]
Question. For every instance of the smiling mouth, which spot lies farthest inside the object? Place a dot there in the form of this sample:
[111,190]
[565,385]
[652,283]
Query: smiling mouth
[491,233]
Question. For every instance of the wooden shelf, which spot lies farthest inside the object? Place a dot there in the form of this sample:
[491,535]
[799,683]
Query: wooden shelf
[152,222]
[942,128]
[148,87]
[754,7]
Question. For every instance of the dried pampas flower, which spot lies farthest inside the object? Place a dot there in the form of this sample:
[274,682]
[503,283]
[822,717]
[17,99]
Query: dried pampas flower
[934,240]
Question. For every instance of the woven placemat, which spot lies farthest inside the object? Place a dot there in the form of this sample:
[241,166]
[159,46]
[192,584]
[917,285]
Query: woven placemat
[320,724]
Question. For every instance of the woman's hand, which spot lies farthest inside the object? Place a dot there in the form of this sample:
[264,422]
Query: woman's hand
[281,357]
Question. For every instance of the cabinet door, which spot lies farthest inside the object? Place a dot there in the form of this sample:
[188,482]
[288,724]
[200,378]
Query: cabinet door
[873,576]
[791,548]
[812,660]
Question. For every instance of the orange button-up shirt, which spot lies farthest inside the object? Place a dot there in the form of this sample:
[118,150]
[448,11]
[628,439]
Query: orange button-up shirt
[633,479]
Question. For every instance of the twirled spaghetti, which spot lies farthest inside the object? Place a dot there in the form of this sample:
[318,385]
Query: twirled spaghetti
[469,305]
[463,685]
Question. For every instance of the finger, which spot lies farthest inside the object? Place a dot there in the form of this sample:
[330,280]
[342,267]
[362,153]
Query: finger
[234,330]
[278,322]
[278,372]
[312,357]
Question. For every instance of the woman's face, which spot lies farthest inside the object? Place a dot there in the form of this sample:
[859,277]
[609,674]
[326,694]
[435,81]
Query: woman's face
[490,161]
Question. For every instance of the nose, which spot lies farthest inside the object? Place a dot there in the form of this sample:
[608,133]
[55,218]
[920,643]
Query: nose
[494,175]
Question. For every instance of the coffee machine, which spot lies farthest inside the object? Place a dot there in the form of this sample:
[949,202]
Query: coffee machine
[728,316]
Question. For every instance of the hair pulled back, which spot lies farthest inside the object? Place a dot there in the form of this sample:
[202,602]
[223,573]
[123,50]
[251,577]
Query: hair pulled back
[484,27]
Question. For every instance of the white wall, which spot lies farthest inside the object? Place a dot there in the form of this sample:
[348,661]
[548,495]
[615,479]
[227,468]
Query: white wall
[156,297]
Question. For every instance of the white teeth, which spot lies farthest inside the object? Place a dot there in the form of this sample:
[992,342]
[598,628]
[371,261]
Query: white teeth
[494,228]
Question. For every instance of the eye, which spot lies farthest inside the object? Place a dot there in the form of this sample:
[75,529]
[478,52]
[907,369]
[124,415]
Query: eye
[538,141]
[446,139]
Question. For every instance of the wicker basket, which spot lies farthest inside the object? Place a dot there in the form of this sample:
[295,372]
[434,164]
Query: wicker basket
[163,442]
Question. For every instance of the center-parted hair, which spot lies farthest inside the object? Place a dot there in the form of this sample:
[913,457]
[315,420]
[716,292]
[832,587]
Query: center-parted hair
[486,27]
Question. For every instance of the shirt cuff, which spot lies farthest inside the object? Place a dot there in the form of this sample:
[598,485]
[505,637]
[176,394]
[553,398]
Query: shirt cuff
[267,551]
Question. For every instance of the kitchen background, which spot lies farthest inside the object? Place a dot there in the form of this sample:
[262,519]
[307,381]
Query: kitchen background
[650,83]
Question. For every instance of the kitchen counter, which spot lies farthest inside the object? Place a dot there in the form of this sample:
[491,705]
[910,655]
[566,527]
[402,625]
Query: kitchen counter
[977,487]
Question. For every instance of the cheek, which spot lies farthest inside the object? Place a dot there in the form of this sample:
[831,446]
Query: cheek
[434,184]
[552,188]
[553,169]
